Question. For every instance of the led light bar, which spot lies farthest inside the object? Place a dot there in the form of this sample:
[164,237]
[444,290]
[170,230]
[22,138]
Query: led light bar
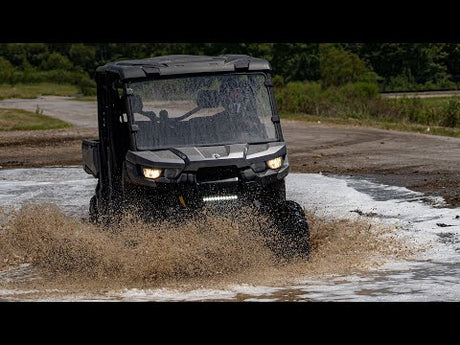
[220,198]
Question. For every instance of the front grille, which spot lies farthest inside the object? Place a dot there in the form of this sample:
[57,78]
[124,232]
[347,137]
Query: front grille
[217,174]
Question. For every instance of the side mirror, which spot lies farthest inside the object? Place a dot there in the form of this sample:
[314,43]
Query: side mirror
[207,99]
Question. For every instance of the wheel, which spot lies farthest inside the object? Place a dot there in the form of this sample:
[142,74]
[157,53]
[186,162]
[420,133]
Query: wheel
[290,236]
[93,210]
[274,192]
[146,203]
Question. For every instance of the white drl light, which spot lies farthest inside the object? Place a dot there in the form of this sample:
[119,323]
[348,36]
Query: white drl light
[151,173]
[220,198]
[275,163]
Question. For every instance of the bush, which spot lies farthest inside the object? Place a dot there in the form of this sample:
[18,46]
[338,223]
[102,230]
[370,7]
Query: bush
[411,110]
[86,85]
[56,61]
[7,71]
[361,100]
[278,81]
[399,83]
[34,76]
[451,113]
[311,98]
[360,90]
[299,97]
[405,83]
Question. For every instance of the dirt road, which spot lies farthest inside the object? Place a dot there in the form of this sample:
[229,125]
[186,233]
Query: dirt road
[68,109]
[420,162]
[421,94]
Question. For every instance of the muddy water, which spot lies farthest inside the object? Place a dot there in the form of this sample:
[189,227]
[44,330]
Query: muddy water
[371,242]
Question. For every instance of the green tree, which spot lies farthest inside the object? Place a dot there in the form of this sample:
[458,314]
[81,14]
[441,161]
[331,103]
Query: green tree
[406,63]
[83,55]
[19,53]
[56,61]
[338,67]
[452,60]
[6,71]
[295,61]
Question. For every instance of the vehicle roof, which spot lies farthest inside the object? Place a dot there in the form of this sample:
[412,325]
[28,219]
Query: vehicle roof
[184,64]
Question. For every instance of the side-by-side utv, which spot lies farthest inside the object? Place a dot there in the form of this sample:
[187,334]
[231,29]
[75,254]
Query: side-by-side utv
[181,132]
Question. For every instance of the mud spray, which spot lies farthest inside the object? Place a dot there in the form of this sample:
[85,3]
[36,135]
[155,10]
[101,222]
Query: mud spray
[63,255]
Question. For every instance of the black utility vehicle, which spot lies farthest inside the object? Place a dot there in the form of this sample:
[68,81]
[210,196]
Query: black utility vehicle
[179,132]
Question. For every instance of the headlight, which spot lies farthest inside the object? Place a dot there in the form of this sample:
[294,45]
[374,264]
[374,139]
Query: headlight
[151,173]
[275,163]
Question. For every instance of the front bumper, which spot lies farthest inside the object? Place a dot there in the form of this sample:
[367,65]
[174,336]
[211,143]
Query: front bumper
[189,189]
[196,175]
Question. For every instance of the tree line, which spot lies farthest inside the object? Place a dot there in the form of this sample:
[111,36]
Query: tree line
[391,66]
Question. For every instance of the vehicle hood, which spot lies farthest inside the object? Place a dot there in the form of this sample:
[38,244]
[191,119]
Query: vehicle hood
[194,158]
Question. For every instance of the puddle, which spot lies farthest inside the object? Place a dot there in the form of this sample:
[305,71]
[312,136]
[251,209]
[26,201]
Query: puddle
[432,275]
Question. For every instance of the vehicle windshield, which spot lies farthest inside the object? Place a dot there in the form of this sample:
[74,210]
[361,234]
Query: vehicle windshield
[202,110]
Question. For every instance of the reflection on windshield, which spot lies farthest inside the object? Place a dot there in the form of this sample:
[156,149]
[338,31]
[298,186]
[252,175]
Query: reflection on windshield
[203,110]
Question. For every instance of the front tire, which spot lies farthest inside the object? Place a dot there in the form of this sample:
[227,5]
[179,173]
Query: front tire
[274,192]
[290,236]
[93,210]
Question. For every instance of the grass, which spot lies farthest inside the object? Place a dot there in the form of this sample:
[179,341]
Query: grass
[37,90]
[374,123]
[85,99]
[17,119]
[436,102]
[359,104]
[428,115]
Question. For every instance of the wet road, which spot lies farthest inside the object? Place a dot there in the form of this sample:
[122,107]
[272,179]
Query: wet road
[432,275]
